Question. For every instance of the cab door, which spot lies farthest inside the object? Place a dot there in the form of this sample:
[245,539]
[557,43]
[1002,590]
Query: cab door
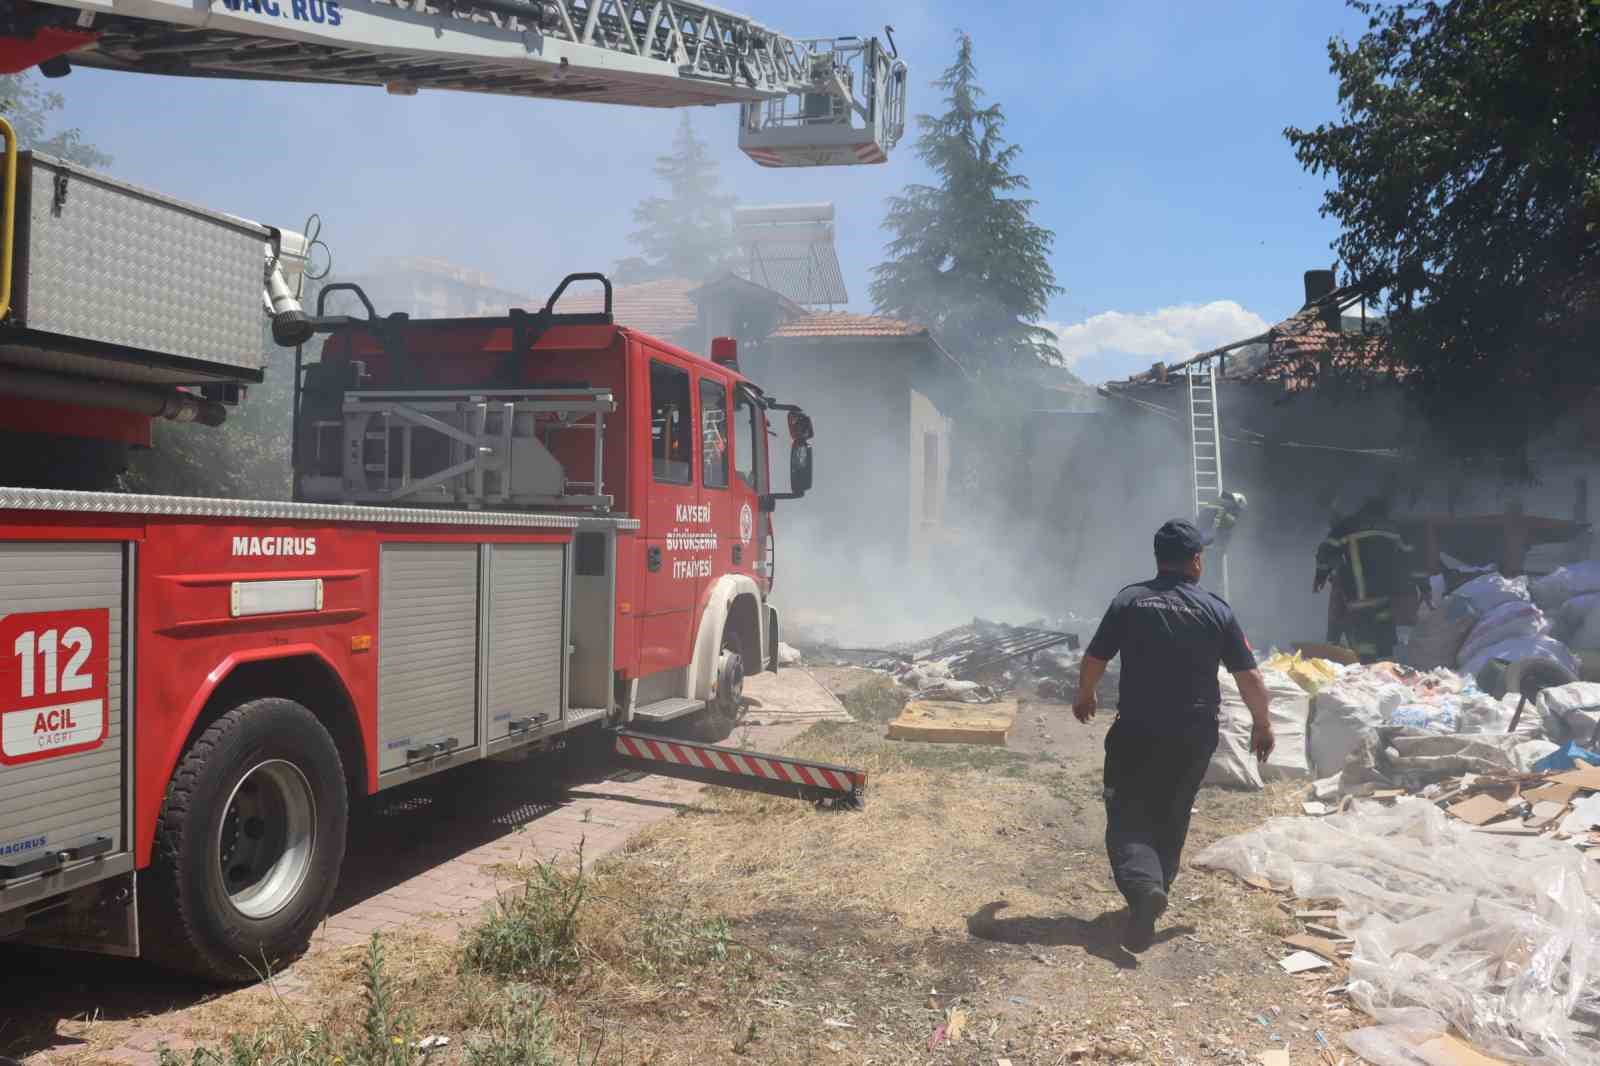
[675,521]
[752,525]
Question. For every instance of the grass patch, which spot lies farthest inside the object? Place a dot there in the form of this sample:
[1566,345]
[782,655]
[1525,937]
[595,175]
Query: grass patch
[533,932]
[383,1037]
[878,700]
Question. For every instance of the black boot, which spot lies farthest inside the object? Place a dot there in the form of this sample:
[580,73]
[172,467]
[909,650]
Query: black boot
[1144,907]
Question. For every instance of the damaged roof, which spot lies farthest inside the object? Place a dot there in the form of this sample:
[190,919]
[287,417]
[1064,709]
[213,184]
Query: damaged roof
[1294,353]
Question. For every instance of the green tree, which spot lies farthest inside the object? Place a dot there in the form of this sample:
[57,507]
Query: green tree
[688,232]
[1466,181]
[966,259]
[29,109]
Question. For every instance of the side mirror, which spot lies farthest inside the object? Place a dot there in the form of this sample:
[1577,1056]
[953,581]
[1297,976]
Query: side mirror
[800,468]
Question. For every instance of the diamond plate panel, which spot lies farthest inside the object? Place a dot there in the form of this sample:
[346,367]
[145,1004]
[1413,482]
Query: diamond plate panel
[119,265]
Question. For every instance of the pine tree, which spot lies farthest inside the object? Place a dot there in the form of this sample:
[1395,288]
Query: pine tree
[965,259]
[687,233]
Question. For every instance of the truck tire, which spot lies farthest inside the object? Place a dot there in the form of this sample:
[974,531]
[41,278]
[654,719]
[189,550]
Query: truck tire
[248,845]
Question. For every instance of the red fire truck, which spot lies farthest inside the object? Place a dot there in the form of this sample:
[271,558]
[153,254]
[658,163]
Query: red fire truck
[504,530]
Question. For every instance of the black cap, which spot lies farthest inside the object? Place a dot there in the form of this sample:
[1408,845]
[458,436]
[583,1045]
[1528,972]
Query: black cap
[1178,539]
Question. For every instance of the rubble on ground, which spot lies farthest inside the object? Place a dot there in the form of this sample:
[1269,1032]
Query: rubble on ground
[978,663]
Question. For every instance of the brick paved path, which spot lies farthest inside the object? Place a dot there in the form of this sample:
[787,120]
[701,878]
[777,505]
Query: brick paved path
[433,855]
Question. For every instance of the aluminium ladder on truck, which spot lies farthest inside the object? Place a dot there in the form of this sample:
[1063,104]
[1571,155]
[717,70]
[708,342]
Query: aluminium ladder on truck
[804,101]
[1205,443]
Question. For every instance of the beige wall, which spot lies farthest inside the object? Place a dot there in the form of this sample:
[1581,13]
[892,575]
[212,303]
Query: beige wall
[929,442]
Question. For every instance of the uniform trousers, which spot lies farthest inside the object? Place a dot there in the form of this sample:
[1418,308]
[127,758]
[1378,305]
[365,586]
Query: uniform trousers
[1153,772]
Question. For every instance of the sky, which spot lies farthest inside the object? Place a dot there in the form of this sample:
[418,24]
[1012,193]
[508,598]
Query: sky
[1151,133]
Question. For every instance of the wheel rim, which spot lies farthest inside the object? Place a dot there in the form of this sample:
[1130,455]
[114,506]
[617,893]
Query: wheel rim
[733,681]
[266,839]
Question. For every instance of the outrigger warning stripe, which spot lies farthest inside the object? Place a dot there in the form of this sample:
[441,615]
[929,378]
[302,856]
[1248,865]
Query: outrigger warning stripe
[724,765]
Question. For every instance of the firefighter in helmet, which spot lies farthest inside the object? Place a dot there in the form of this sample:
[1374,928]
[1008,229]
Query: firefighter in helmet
[1372,563]
[1220,516]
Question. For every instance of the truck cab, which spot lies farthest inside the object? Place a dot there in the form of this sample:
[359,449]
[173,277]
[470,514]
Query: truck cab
[574,412]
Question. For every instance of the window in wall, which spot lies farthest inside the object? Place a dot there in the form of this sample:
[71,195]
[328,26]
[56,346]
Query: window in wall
[930,476]
[671,430]
[746,444]
[713,435]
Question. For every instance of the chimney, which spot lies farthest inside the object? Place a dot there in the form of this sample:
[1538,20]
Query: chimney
[1319,283]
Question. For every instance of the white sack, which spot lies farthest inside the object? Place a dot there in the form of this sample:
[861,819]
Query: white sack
[1496,934]
[1512,620]
[1344,712]
[1290,708]
[1523,648]
[1556,589]
[1439,634]
[1569,712]
[1484,594]
[1571,616]
[1233,766]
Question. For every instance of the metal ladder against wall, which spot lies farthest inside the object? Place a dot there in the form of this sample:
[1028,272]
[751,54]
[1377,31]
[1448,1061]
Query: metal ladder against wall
[1205,436]
[1205,444]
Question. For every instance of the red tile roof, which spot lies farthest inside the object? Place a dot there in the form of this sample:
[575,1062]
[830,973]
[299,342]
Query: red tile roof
[844,324]
[660,308]
[1294,353]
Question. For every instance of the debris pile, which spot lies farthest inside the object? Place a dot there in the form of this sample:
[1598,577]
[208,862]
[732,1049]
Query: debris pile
[980,662]
[1441,924]
[1492,619]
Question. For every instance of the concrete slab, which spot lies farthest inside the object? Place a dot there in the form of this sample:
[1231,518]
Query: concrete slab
[790,696]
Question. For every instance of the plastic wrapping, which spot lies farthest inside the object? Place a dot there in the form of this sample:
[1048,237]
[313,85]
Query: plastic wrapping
[1499,936]
[1483,594]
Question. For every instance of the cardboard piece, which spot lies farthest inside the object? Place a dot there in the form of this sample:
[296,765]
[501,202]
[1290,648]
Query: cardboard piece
[1275,1057]
[1317,945]
[1304,962]
[1389,793]
[1554,792]
[1587,779]
[1479,810]
[938,722]
[1448,1051]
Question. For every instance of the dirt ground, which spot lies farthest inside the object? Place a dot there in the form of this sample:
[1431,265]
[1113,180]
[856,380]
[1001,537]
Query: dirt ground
[966,916]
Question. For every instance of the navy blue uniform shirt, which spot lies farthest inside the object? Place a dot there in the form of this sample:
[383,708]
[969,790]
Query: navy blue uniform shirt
[1172,634]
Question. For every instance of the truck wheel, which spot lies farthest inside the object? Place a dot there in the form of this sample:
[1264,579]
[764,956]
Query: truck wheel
[248,845]
[723,714]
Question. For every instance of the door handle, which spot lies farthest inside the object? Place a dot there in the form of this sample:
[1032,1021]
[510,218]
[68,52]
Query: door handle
[652,559]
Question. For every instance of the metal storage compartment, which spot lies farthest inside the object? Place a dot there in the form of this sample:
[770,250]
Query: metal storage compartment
[427,652]
[173,289]
[61,815]
[525,666]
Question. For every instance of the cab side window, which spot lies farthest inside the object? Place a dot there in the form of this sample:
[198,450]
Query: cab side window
[671,425]
[747,442]
[713,435]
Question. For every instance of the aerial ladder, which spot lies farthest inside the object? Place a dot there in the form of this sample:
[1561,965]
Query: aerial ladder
[802,102]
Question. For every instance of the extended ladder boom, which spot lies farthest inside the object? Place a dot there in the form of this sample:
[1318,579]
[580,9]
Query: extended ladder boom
[848,93]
